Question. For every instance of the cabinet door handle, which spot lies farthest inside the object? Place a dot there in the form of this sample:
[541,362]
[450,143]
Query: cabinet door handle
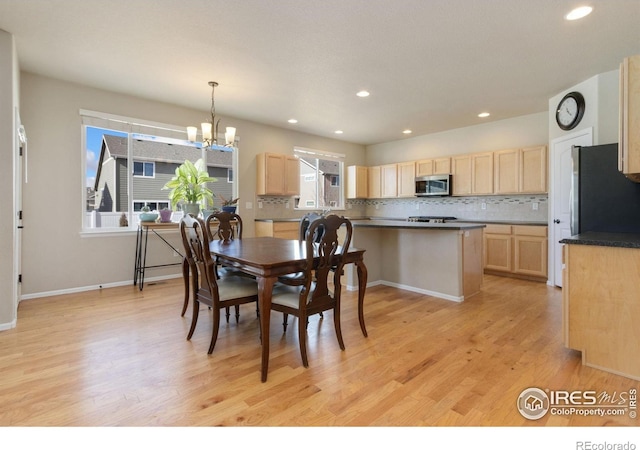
[556,220]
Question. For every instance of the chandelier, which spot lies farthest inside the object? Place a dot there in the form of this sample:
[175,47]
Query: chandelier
[210,129]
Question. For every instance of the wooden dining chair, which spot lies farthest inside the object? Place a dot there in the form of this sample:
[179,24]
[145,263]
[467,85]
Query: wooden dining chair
[206,287]
[296,279]
[226,227]
[314,295]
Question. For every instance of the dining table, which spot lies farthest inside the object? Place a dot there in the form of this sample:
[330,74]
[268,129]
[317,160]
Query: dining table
[268,258]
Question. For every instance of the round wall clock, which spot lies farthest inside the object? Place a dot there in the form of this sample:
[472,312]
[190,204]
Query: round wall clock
[570,110]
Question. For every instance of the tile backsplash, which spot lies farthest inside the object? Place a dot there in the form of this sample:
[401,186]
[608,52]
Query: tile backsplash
[529,208]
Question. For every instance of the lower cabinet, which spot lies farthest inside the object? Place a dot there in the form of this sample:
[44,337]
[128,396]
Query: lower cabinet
[282,230]
[516,250]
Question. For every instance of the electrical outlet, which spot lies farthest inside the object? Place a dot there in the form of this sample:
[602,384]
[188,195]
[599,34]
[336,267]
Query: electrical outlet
[483,205]
[248,205]
[259,205]
[286,205]
[349,206]
[417,206]
[377,206]
[534,205]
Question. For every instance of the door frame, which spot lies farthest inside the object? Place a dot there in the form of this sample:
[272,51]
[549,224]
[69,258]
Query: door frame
[553,172]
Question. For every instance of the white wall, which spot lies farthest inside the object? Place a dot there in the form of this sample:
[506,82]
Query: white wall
[55,257]
[602,102]
[523,131]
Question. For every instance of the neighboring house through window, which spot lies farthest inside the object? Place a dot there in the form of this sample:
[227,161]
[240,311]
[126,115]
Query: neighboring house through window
[320,179]
[126,169]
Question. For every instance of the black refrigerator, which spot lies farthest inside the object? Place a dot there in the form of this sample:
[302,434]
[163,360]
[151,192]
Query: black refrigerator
[602,198]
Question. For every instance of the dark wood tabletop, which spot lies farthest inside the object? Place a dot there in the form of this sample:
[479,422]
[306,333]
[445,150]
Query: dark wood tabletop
[267,258]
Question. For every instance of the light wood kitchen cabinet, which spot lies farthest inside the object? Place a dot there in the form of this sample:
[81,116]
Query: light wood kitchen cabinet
[533,170]
[473,174]
[282,230]
[482,173]
[516,250]
[406,173]
[530,250]
[357,182]
[373,182]
[436,166]
[389,180]
[277,174]
[520,171]
[629,133]
[461,171]
[497,248]
[506,171]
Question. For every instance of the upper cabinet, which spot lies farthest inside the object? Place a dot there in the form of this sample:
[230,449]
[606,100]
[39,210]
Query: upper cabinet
[357,182]
[373,182]
[389,180]
[472,174]
[520,171]
[629,138]
[436,166]
[277,174]
[406,173]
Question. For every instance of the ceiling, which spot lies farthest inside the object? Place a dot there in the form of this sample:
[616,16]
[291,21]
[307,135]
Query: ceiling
[430,65]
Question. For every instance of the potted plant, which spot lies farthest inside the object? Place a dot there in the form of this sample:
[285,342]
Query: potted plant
[146,215]
[189,186]
[229,205]
[165,215]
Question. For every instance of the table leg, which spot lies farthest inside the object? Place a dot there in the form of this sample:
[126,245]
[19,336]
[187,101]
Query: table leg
[185,278]
[362,286]
[138,255]
[265,290]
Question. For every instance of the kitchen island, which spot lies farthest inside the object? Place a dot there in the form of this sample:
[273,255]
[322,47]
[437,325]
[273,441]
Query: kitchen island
[600,301]
[439,259]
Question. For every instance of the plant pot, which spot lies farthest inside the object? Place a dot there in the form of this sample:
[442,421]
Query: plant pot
[192,208]
[148,217]
[165,215]
[206,213]
[229,209]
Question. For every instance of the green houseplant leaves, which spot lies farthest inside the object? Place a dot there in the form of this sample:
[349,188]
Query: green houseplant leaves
[188,183]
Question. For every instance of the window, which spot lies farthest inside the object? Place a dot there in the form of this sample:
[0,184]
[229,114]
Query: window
[320,179]
[127,162]
[143,169]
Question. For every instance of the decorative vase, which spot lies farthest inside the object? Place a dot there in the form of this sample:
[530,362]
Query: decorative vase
[206,213]
[229,209]
[165,215]
[192,208]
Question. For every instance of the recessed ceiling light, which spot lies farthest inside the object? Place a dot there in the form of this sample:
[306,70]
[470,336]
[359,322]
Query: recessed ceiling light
[292,121]
[338,131]
[484,114]
[363,94]
[407,131]
[579,13]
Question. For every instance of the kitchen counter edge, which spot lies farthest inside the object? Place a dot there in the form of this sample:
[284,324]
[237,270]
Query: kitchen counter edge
[602,239]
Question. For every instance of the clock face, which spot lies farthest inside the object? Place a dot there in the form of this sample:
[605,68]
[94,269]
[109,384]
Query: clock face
[570,111]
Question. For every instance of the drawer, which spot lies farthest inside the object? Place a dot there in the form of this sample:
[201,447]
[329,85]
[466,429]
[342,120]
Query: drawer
[529,230]
[497,229]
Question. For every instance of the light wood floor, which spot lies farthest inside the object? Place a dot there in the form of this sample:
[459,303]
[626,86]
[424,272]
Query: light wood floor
[120,357]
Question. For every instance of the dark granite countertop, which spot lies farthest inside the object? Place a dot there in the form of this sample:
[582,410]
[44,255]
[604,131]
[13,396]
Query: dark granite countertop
[404,219]
[381,223]
[625,240]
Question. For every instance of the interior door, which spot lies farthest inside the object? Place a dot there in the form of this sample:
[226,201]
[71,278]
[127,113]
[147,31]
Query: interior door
[561,196]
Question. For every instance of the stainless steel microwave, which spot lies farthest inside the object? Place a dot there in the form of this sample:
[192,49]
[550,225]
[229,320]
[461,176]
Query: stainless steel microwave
[433,185]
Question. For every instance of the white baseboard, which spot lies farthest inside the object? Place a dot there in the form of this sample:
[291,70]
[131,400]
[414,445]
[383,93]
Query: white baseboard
[95,287]
[8,326]
[452,298]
